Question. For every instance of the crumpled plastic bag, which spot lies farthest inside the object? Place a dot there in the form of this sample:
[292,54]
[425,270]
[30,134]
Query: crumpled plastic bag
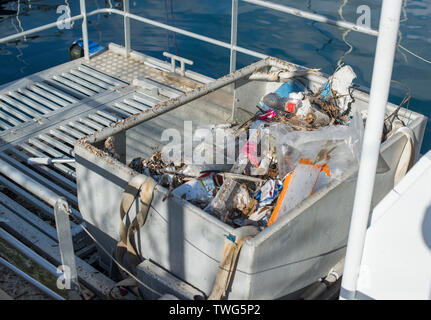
[338,146]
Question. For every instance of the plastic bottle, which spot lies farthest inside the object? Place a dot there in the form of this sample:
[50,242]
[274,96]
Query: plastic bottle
[294,102]
[274,101]
[277,100]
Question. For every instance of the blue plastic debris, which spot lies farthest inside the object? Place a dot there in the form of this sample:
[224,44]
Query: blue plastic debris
[288,87]
[230,237]
[93,47]
[325,91]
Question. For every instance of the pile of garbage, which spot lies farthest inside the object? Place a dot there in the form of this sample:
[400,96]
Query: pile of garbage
[297,142]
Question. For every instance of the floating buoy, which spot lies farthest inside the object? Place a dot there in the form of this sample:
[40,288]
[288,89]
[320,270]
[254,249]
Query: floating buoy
[76,50]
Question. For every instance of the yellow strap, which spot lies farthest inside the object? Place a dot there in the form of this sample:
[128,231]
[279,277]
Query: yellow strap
[143,187]
[228,262]
[407,156]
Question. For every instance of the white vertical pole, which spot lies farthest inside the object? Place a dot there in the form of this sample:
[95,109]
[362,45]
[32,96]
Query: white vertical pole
[380,85]
[84,29]
[126,6]
[233,35]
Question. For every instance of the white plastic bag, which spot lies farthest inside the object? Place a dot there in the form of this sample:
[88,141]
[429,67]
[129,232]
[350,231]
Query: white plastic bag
[339,146]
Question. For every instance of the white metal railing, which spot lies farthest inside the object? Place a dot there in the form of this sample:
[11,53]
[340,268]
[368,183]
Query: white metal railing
[234,22]
[380,84]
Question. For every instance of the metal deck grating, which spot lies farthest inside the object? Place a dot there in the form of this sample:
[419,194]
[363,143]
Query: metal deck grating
[135,67]
[38,99]
[43,115]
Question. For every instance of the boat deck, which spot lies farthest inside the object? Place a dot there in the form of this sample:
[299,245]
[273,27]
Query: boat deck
[44,114]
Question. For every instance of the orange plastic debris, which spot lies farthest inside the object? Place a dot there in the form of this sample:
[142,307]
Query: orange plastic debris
[299,194]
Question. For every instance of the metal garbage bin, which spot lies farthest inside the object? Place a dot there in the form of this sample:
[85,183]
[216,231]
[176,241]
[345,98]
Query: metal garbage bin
[188,242]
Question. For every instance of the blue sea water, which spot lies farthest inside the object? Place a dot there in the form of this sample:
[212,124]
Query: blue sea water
[304,42]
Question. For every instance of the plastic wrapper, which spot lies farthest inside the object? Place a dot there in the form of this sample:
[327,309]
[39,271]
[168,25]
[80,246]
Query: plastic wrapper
[268,193]
[201,189]
[262,215]
[266,197]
